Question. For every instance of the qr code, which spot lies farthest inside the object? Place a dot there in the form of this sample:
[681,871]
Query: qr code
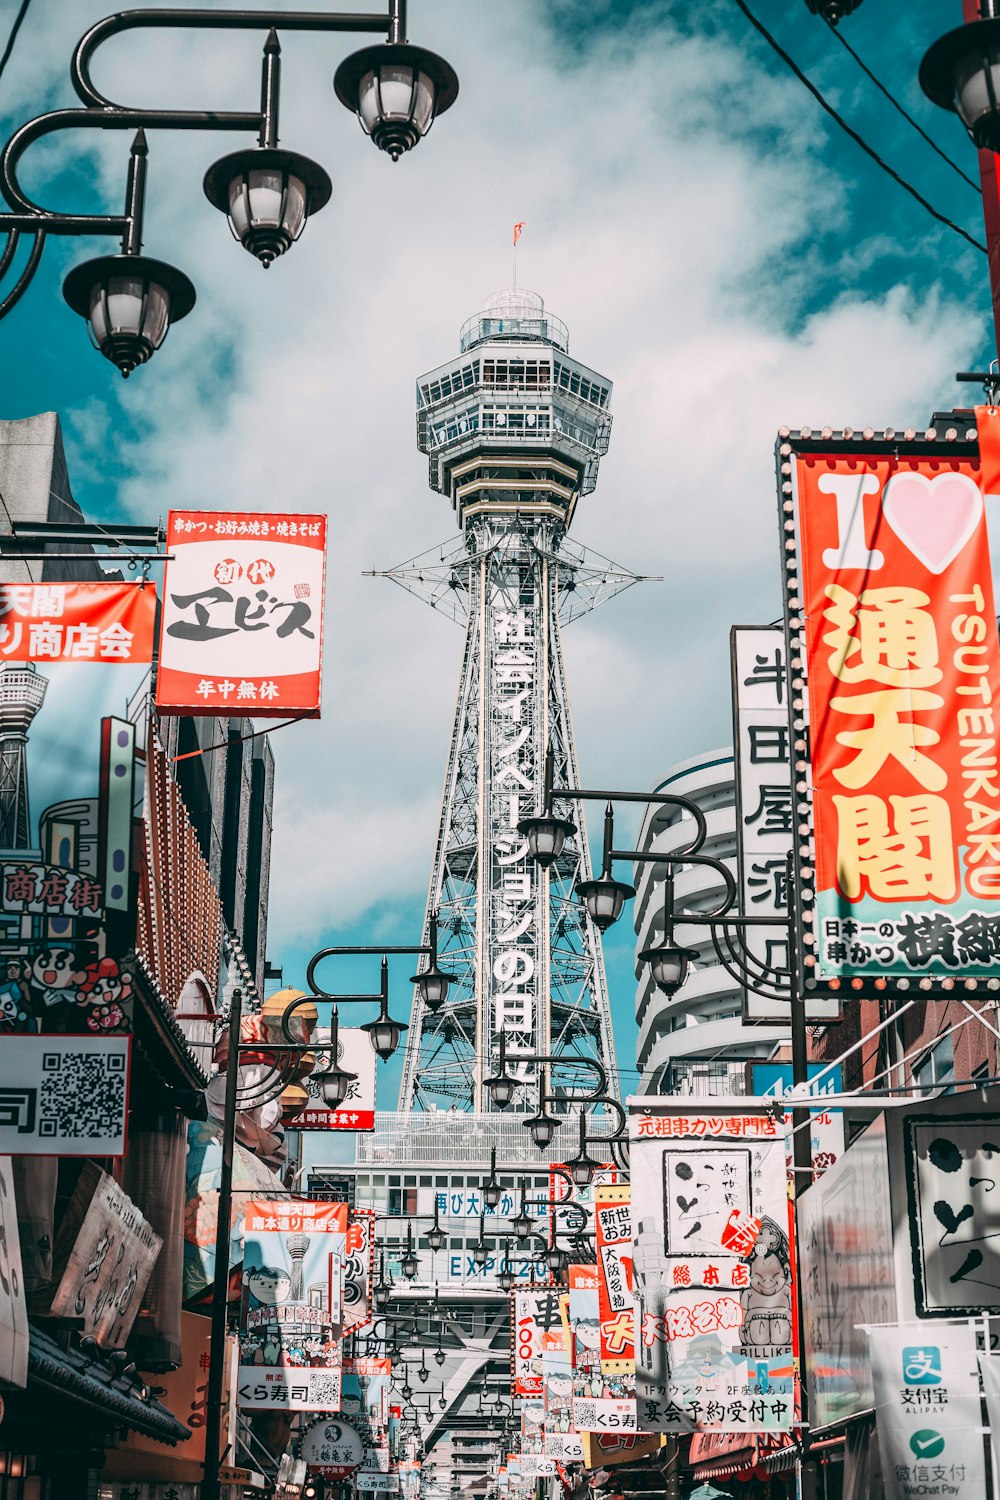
[82,1095]
[324,1389]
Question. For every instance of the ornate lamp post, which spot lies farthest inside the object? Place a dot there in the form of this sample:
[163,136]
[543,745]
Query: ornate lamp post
[267,193]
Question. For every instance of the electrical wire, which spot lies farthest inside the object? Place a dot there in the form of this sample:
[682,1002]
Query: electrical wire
[825,104]
[12,38]
[900,110]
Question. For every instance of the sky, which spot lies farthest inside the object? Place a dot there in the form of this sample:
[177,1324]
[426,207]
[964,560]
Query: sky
[718,248]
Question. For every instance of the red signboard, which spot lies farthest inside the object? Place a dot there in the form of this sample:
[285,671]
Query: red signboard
[77,622]
[242,624]
[892,619]
[613,1216]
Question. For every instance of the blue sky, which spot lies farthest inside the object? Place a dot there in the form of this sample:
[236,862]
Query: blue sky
[718,248]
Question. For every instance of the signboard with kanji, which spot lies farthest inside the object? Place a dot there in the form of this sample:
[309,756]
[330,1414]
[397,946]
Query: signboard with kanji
[290,1352]
[64,1095]
[762,751]
[613,1218]
[713,1252]
[77,622]
[891,632]
[536,1329]
[242,624]
[356,1055]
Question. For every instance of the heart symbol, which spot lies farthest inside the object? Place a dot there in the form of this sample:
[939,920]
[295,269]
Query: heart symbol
[934,518]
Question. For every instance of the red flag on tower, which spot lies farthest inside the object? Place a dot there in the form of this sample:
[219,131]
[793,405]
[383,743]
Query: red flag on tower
[517,230]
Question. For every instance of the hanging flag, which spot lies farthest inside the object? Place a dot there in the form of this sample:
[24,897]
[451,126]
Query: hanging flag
[518,227]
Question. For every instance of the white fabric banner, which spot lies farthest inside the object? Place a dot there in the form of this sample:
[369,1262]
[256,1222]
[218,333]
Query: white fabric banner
[928,1412]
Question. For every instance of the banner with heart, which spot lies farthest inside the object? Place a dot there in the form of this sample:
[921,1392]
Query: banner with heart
[934,517]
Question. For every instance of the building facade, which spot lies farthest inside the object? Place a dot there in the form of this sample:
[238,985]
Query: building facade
[693,1042]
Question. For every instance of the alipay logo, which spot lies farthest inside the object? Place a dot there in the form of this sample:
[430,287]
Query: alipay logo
[922,1365]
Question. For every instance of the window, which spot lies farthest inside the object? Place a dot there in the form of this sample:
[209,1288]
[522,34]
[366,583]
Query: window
[936,1069]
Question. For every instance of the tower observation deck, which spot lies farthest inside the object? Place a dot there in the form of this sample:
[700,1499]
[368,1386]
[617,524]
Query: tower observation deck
[514,430]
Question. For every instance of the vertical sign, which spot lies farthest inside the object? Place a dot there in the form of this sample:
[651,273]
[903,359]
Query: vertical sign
[512,940]
[890,615]
[116,804]
[928,1413]
[537,1329]
[713,1254]
[13,1311]
[613,1218]
[764,816]
[242,624]
[290,1355]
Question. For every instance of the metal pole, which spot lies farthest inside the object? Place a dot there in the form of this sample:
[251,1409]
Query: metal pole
[270,90]
[220,1288]
[135,195]
[975,10]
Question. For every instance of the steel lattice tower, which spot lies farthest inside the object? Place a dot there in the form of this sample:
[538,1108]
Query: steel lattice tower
[514,430]
[22,692]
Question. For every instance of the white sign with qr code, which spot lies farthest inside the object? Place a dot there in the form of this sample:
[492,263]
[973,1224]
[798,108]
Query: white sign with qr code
[64,1095]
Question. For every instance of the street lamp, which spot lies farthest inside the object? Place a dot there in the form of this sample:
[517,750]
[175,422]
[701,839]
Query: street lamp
[556,1258]
[546,833]
[521,1222]
[582,1166]
[502,1086]
[542,1127]
[491,1188]
[435,1236]
[432,983]
[266,193]
[396,91]
[961,72]
[408,1264]
[505,1276]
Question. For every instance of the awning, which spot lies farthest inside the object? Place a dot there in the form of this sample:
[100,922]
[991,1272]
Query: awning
[71,1374]
[723,1455]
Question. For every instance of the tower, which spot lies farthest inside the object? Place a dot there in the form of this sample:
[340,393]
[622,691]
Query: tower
[22,692]
[514,430]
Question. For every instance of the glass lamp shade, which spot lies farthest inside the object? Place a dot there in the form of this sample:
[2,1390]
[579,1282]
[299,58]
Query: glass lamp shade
[380,1295]
[442,1401]
[521,1225]
[396,91]
[267,195]
[129,302]
[961,71]
[480,1254]
[407,1391]
[435,1237]
[408,1265]
[604,899]
[439,1356]
[543,1127]
[668,965]
[384,1034]
[505,1277]
[546,837]
[432,987]
[335,1085]
[491,1193]
[423,1375]
[502,1089]
[556,1259]
[582,1169]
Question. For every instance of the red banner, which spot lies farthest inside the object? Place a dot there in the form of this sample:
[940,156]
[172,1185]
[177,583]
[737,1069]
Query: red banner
[77,622]
[903,668]
[242,624]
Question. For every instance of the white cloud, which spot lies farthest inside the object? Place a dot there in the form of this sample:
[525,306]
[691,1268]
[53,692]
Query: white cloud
[678,254]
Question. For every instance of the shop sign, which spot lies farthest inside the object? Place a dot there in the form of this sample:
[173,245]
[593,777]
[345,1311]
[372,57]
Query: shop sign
[290,1353]
[951,1177]
[537,1466]
[714,1259]
[185,1392]
[375,1481]
[356,1055]
[604,1413]
[359,1258]
[64,1095]
[927,1412]
[764,813]
[77,622]
[332,1448]
[164,1489]
[49,891]
[242,622]
[13,1312]
[848,1275]
[467,1203]
[826,1132]
[537,1330]
[108,1252]
[889,608]
[609,1450]
[613,1217]
[584,1307]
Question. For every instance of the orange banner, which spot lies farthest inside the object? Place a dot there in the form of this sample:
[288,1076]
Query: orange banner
[903,669]
[613,1217]
[77,622]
